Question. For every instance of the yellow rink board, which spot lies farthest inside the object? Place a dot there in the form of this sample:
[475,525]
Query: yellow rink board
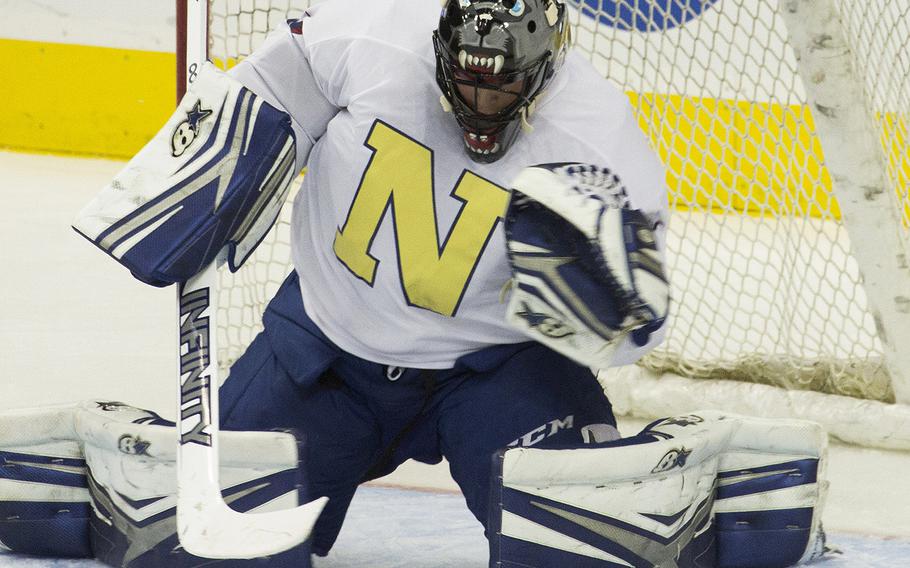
[725,155]
[71,99]
[721,155]
[759,158]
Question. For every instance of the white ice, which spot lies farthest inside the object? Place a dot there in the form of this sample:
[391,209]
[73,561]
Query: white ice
[435,530]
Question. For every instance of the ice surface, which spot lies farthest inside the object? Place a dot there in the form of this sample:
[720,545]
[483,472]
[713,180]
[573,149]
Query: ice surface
[399,528]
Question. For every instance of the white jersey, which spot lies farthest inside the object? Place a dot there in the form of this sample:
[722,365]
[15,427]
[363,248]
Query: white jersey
[397,234]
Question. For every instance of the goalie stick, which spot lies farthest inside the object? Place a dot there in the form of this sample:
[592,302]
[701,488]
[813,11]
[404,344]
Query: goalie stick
[206,526]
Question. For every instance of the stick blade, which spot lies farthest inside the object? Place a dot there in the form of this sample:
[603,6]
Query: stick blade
[211,529]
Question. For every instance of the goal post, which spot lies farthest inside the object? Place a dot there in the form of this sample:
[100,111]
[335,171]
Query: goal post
[783,127]
[870,205]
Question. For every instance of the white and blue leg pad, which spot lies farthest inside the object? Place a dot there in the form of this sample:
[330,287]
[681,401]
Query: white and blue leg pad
[587,271]
[99,479]
[213,178]
[637,502]
[699,491]
[44,498]
[771,488]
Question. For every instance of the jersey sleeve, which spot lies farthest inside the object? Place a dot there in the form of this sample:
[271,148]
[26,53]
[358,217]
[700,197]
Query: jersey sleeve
[280,71]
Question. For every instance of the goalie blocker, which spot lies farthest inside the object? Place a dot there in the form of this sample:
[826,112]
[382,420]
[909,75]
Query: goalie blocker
[214,177]
[704,490]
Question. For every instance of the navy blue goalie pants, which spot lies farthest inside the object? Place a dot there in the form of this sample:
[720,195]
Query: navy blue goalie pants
[360,420]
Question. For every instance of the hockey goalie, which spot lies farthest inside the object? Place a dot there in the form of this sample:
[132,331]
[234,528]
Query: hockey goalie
[481,223]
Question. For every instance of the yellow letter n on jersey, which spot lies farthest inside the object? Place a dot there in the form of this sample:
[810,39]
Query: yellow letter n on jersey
[400,176]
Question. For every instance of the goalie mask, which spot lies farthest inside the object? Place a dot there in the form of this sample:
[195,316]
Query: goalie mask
[493,58]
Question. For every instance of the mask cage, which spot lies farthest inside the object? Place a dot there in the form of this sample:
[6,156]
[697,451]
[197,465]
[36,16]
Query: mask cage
[448,69]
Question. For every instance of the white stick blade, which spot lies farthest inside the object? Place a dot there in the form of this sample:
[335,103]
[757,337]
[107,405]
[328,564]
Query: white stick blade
[214,530]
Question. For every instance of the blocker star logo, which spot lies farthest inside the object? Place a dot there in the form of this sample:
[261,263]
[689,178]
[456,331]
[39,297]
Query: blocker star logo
[186,131]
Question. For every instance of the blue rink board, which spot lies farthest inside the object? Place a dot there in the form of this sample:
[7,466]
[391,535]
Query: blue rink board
[396,528]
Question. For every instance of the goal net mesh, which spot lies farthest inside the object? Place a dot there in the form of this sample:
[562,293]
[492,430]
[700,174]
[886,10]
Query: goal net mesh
[764,286]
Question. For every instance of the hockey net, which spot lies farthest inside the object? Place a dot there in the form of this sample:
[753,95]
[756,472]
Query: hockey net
[769,298]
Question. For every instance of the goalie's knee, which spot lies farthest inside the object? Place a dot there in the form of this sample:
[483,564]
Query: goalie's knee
[701,490]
